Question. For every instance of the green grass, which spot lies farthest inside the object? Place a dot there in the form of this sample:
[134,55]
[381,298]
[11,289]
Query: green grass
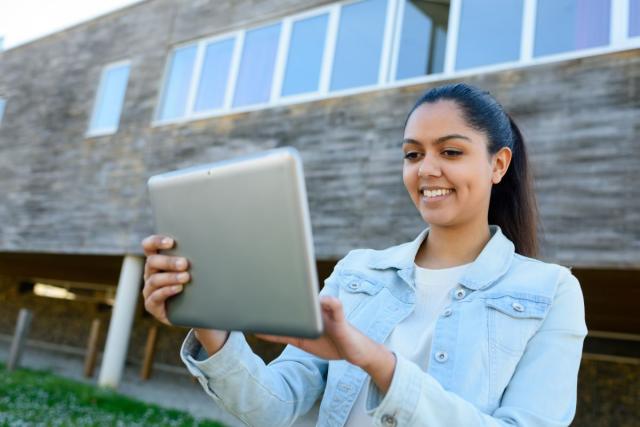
[29,398]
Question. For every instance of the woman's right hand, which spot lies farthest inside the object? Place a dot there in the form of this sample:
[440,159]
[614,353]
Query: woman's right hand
[165,276]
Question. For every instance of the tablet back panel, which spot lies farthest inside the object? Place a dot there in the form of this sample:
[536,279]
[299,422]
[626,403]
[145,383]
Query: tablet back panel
[244,226]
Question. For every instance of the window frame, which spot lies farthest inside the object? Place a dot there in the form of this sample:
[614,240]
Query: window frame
[387,73]
[99,96]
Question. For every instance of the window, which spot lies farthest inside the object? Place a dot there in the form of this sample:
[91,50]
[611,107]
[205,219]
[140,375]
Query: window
[304,61]
[109,99]
[256,66]
[489,38]
[359,44]
[2,105]
[567,25]
[173,102]
[634,18]
[215,75]
[423,38]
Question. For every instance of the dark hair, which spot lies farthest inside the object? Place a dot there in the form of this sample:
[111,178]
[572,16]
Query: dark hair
[513,204]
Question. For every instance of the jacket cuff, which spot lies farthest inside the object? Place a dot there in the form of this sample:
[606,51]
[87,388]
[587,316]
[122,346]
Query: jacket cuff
[203,366]
[400,402]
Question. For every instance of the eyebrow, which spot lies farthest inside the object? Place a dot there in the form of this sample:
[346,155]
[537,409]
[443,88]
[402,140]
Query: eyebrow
[438,141]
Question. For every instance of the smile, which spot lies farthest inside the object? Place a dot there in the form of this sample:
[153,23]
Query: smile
[435,195]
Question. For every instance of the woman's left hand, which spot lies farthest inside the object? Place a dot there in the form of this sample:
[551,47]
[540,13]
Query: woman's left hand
[340,339]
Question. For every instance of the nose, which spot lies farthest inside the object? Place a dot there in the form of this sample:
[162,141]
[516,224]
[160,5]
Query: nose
[429,167]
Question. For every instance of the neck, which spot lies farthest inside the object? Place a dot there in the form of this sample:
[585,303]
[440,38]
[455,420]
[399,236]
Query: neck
[447,247]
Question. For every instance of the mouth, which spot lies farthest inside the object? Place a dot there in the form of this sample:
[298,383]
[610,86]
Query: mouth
[435,194]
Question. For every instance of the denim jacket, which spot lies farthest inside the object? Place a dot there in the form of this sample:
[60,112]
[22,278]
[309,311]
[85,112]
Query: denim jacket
[505,352]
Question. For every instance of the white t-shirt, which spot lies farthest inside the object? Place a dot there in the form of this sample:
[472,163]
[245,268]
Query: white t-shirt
[412,337]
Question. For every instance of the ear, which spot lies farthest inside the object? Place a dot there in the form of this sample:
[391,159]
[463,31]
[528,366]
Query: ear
[500,164]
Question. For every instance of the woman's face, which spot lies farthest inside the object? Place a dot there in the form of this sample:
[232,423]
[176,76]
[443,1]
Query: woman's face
[447,169]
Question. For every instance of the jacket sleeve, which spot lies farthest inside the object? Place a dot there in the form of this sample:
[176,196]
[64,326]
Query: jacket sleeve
[258,394]
[541,393]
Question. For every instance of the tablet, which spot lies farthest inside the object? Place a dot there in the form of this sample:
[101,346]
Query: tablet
[244,226]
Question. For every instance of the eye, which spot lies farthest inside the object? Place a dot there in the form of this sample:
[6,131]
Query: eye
[411,155]
[452,153]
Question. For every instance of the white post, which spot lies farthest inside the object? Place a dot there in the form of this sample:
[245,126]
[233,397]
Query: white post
[124,308]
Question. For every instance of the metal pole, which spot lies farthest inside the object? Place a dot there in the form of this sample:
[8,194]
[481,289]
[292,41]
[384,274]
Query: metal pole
[19,338]
[115,350]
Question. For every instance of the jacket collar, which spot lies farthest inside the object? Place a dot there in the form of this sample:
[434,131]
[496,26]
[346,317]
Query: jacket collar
[492,263]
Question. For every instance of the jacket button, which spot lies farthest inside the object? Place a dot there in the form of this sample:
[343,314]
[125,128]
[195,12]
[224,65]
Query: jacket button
[442,356]
[517,307]
[460,293]
[353,285]
[388,420]
[447,312]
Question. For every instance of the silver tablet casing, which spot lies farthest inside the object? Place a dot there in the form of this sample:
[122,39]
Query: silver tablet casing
[244,226]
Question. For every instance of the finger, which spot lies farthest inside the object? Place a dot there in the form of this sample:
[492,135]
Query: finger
[333,307]
[152,244]
[167,263]
[155,303]
[162,280]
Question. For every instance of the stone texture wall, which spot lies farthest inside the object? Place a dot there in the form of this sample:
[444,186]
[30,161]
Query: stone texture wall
[67,193]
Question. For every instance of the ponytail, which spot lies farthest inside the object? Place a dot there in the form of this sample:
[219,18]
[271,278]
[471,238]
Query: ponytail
[513,204]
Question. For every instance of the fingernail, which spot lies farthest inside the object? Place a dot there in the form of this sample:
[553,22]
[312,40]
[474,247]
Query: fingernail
[176,288]
[181,263]
[183,277]
[167,241]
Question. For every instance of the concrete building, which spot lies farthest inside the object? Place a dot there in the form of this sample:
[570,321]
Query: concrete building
[89,113]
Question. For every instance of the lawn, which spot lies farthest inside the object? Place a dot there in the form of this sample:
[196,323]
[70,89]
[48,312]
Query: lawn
[40,398]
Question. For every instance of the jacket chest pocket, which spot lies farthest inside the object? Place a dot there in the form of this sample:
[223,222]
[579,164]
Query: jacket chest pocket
[354,290]
[513,319]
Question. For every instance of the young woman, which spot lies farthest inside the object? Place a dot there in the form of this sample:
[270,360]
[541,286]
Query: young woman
[460,327]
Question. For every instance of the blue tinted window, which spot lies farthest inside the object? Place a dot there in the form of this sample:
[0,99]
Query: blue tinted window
[634,18]
[176,90]
[304,62]
[256,66]
[359,44]
[489,38]
[109,99]
[214,75]
[567,25]
[423,39]
[2,104]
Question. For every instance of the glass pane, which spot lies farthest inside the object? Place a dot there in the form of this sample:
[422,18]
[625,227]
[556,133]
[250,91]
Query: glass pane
[489,38]
[2,104]
[214,75]
[423,38]
[634,18]
[359,45]
[566,25]
[305,56]
[106,113]
[256,66]
[176,90]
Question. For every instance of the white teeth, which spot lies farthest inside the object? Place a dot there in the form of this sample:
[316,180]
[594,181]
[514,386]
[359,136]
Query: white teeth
[436,193]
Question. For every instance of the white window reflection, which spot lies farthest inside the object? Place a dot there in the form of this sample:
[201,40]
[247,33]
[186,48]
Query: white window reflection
[489,38]
[359,44]
[423,38]
[568,25]
[304,61]
[109,99]
[256,66]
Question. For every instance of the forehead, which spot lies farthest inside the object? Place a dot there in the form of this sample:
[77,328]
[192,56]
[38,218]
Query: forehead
[432,120]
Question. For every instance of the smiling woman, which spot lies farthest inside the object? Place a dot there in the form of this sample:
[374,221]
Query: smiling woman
[459,327]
